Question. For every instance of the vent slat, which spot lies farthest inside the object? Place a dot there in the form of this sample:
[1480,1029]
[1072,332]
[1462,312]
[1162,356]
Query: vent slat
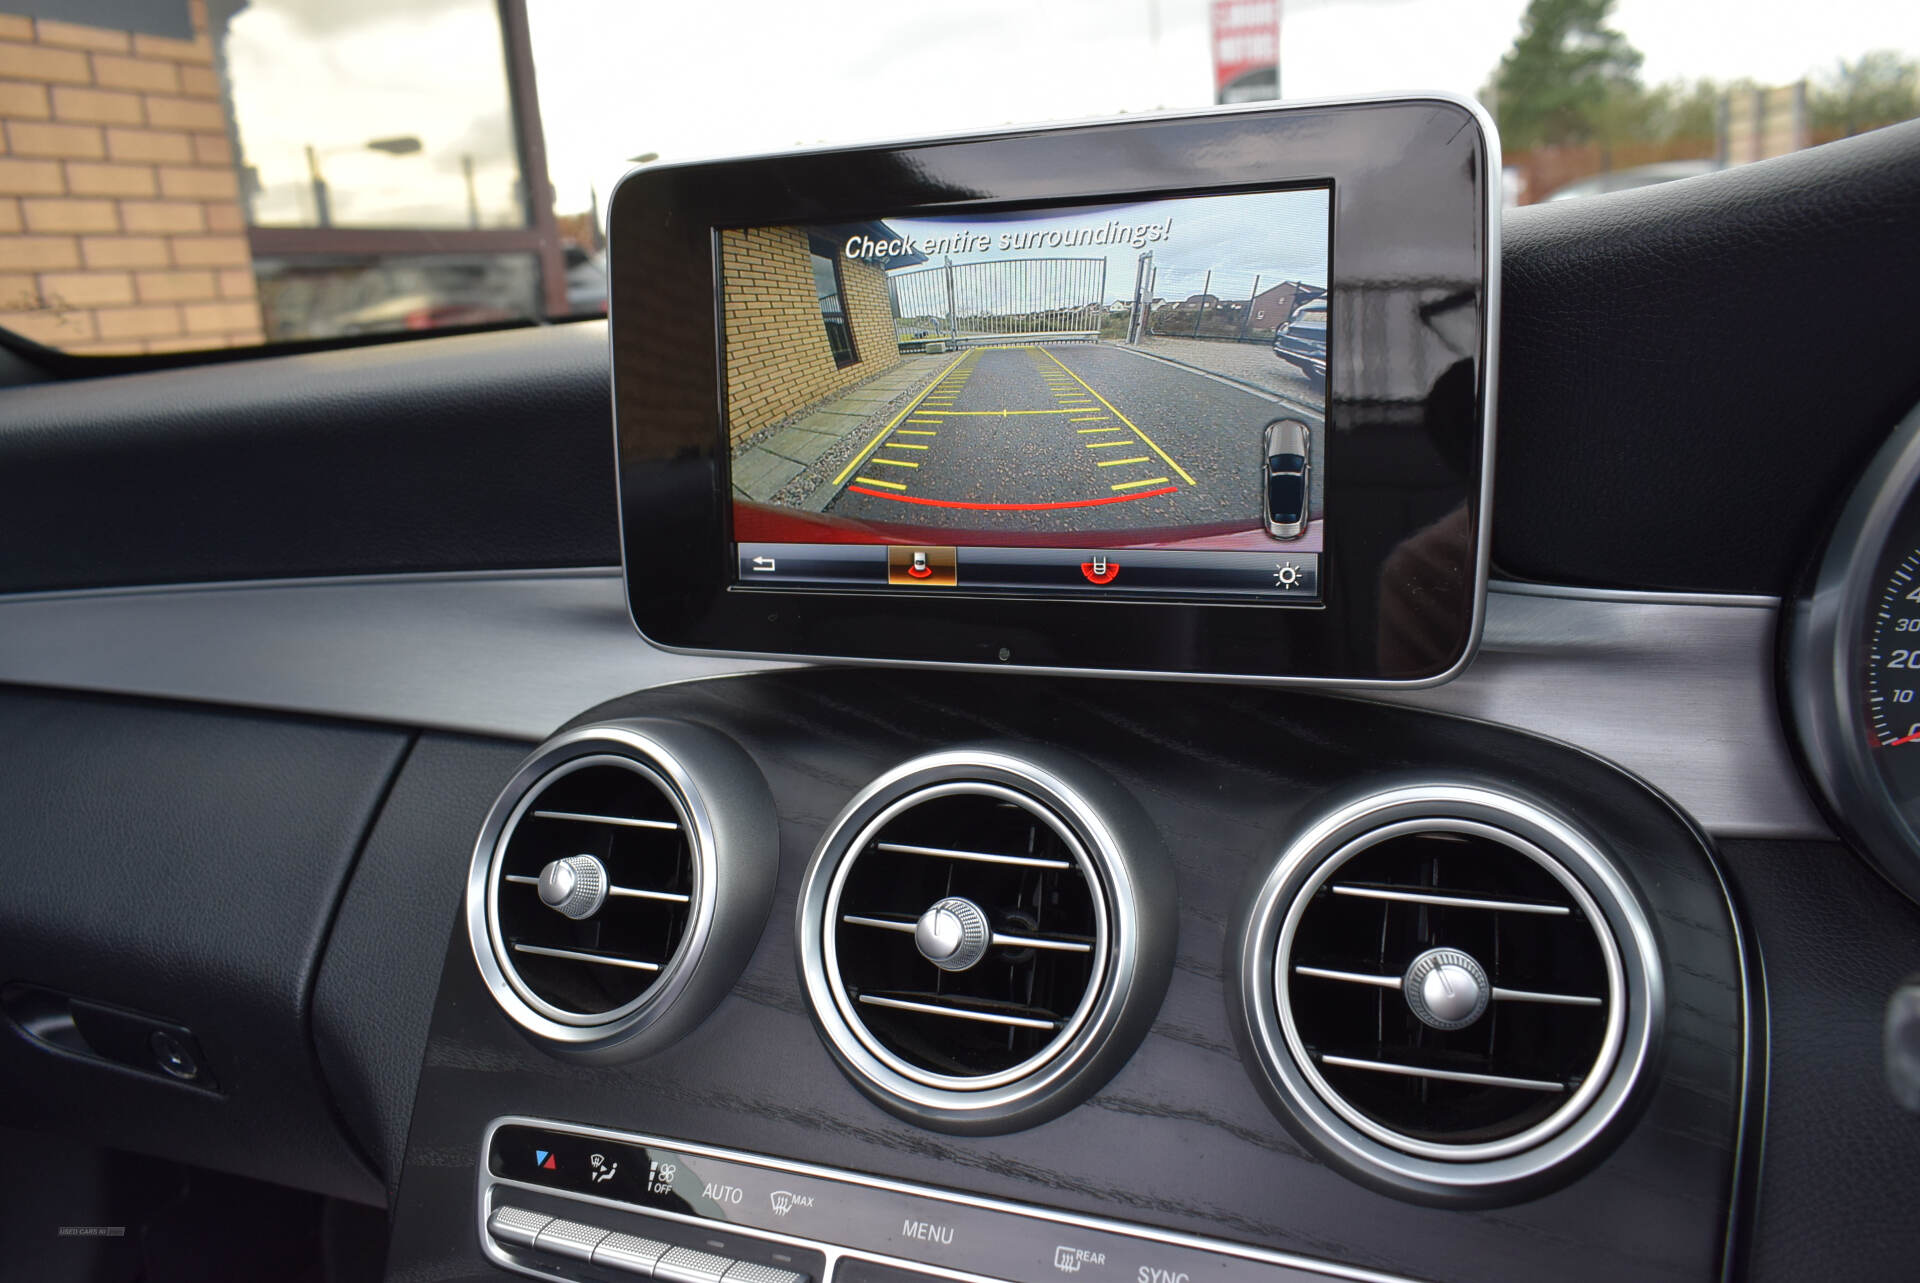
[977,857]
[619,821]
[1442,1075]
[665,897]
[999,939]
[580,955]
[1403,895]
[952,1012]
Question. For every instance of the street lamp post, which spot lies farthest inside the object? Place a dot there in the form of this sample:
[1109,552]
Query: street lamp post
[401,145]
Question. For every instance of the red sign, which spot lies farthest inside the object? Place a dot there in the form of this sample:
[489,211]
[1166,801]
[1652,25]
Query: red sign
[1246,50]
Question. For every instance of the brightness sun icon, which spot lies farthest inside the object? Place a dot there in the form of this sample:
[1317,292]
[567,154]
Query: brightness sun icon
[1285,574]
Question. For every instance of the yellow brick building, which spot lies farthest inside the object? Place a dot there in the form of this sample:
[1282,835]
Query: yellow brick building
[120,221]
[786,347]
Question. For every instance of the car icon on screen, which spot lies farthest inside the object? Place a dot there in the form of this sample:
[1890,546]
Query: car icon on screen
[1287,472]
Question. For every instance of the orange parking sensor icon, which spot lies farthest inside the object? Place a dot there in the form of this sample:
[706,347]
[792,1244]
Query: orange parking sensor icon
[925,567]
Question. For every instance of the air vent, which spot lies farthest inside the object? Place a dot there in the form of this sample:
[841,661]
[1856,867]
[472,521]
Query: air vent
[1449,985]
[975,938]
[595,888]
[598,883]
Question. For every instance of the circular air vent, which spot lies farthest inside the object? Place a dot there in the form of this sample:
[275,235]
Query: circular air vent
[1448,988]
[604,877]
[983,940]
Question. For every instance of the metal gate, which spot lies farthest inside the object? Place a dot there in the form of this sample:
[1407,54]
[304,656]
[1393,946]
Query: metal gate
[1004,301]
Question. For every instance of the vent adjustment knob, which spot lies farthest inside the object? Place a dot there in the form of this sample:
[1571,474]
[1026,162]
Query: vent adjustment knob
[1447,989]
[954,934]
[575,886]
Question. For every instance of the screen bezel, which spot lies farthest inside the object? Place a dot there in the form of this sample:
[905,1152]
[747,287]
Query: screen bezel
[1414,207]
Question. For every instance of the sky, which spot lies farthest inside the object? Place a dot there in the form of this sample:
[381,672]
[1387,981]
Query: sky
[621,78]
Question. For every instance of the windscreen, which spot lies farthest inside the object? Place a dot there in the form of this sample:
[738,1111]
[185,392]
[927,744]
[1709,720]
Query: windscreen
[1120,399]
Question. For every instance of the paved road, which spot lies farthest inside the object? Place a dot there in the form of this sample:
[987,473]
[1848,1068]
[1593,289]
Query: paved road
[1066,437]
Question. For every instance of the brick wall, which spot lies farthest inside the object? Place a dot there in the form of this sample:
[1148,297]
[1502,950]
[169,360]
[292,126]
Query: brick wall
[120,220]
[778,361]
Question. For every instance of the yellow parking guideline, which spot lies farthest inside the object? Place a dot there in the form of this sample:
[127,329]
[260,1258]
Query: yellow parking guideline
[1124,419]
[1084,431]
[904,445]
[893,463]
[1101,445]
[1091,418]
[999,414]
[1134,485]
[891,485]
[1117,463]
[881,435]
[917,432]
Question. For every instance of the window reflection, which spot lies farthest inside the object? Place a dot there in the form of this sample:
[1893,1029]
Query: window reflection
[373,113]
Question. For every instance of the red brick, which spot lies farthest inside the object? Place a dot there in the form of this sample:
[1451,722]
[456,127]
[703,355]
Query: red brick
[79,37]
[87,289]
[199,49]
[198,184]
[21,100]
[141,322]
[53,328]
[172,287]
[125,251]
[42,252]
[211,251]
[135,73]
[37,138]
[37,62]
[184,113]
[149,145]
[91,178]
[65,214]
[212,149]
[31,177]
[100,106]
[205,318]
[199,82]
[163,216]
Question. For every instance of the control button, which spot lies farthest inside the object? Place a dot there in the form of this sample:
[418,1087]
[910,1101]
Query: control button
[569,1238]
[685,1265]
[516,1225]
[627,1252]
[171,1054]
[1100,570]
[927,567]
[752,1272]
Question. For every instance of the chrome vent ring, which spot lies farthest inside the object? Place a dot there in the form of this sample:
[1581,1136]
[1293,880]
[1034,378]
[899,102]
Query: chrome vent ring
[609,888]
[1448,989]
[977,939]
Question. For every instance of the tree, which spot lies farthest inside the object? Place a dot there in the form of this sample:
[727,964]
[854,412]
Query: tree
[1569,77]
[1875,89]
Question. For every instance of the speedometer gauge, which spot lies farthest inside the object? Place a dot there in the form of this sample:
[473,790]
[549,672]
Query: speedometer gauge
[1853,663]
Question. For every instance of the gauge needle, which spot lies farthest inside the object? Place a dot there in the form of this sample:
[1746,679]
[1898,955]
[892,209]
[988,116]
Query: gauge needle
[1904,739]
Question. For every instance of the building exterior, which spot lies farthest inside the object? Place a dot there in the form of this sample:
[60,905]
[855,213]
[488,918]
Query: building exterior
[1272,307]
[133,219]
[120,221]
[803,321]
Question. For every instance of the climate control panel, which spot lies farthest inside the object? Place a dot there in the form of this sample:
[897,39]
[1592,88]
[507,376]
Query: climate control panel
[559,1201]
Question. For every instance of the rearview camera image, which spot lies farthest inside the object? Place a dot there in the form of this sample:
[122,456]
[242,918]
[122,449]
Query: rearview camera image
[1118,399]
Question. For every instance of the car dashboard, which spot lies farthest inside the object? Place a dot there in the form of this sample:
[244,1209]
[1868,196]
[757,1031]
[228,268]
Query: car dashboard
[357,844]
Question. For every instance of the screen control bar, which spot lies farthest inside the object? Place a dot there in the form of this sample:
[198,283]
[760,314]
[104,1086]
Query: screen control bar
[1279,575]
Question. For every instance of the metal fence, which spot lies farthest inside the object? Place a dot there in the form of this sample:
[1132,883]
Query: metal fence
[965,304]
[1204,303]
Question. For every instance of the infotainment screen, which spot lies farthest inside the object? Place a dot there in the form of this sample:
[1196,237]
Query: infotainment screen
[1101,400]
[1203,395]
